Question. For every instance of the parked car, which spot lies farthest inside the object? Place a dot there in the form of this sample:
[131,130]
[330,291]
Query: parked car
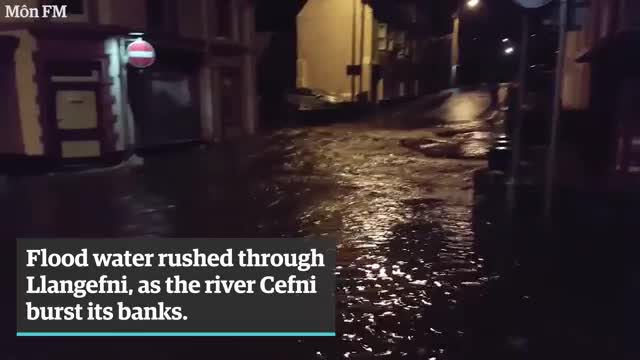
[304,99]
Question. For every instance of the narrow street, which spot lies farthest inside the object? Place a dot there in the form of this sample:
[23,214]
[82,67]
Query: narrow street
[476,162]
[406,263]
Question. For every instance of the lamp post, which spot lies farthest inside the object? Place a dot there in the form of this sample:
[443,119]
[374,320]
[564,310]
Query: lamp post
[557,109]
[455,40]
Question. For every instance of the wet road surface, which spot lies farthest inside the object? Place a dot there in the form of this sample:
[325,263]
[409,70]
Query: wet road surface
[409,281]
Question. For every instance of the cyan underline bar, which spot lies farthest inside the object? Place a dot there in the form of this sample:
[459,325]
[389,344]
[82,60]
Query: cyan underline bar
[175,334]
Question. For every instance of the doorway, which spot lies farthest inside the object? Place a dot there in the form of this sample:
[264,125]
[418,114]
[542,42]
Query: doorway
[75,110]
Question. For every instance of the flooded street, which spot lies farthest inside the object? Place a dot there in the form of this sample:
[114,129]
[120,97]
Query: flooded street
[406,268]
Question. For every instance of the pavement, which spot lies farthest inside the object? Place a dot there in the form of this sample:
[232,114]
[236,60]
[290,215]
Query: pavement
[410,282]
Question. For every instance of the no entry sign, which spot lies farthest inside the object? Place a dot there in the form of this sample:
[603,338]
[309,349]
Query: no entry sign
[141,54]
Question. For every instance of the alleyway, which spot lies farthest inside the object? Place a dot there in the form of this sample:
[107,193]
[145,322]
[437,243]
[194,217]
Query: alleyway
[406,265]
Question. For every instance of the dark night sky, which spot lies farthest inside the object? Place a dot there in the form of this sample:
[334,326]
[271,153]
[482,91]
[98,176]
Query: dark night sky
[483,29]
[277,15]
[499,16]
[488,24]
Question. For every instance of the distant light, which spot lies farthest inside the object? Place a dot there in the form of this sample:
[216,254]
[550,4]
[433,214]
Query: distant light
[505,39]
[509,50]
[533,35]
[136,33]
[473,3]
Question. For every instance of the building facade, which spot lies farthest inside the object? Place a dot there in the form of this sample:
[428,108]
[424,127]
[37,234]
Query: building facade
[362,50]
[602,77]
[276,52]
[73,97]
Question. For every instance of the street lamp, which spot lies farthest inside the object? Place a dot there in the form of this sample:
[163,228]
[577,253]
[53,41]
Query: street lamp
[455,40]
[509,50]
[473,3]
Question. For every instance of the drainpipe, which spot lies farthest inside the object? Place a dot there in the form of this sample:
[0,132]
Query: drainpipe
[247,22]
[454,56]
[128,127]
[206,88]
[353,48]
[362,20]
[205,28]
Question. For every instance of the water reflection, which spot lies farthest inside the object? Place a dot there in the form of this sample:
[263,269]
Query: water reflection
[405,261]
[405,258]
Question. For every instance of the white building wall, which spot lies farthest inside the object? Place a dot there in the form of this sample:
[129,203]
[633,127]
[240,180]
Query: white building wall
[27,89]
[121,127]
[331,35]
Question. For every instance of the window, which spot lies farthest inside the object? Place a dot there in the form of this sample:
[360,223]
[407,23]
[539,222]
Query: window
[382,36]
[162,15]
[224,19]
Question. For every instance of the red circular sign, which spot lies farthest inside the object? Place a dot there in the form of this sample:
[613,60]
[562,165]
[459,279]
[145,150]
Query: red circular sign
[141,54]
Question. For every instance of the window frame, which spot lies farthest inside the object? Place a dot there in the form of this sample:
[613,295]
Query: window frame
[232,18]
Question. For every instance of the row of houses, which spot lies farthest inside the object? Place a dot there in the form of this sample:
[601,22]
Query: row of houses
[69,94]
[371,51]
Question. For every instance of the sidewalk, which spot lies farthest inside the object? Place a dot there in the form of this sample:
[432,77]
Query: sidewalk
[582,275]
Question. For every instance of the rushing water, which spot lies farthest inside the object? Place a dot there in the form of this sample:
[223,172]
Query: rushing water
[402,223]
[410,284]
[407,274]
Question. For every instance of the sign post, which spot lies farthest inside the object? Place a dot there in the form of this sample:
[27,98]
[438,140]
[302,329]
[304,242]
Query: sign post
[517,128]
[557,107]
[522,92]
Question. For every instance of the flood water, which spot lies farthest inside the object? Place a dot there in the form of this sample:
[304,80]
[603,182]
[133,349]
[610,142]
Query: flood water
[410,284]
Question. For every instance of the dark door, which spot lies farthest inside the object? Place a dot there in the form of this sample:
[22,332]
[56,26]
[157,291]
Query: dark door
[173,108]
[230,103]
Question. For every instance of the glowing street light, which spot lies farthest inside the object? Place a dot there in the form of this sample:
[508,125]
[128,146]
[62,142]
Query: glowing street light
[505,40]
[473,3]
[509,50]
